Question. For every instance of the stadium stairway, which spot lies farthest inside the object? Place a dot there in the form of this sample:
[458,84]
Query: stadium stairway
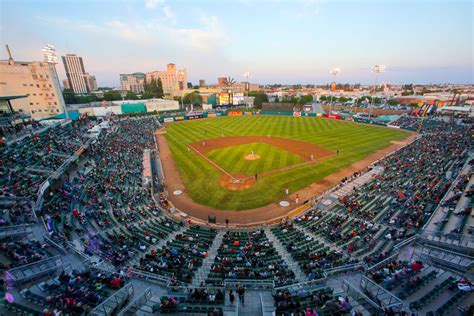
[203,271]
[299,274]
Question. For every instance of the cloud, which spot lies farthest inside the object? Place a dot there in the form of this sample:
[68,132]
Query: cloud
[153,4]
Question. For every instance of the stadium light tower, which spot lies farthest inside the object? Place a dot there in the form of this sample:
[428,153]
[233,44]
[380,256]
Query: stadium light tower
[51,58]
[247,75]
[376,69]
[333,72]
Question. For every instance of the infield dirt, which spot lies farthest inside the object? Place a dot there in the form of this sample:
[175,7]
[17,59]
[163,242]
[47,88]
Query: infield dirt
[260,215]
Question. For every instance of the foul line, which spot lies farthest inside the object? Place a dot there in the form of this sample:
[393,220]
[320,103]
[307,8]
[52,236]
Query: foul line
[212,163]
[266,173]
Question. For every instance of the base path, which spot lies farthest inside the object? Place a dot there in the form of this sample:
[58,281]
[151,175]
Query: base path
[271,212]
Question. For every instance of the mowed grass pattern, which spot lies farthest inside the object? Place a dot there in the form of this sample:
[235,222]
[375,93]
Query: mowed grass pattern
[232,158]
[354,142]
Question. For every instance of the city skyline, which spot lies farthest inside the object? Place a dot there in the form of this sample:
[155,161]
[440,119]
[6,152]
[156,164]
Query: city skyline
[278,41]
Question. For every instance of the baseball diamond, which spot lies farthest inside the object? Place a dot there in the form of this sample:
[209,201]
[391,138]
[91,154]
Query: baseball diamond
[207,159]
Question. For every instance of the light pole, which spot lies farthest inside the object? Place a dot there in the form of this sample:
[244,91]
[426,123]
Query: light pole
[52,59]
[247,77]
[376,69]
[333,72]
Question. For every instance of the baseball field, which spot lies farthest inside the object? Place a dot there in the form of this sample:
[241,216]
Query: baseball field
[240,163]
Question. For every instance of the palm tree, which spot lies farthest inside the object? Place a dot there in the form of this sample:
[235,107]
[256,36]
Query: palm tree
[229,82]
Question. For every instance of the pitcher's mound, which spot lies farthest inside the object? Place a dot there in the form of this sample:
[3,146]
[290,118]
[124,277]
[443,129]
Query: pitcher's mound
[252,157]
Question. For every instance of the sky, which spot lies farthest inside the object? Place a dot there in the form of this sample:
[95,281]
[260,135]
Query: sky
[278,41]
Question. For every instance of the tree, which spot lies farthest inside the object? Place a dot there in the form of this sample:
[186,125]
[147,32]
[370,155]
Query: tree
[305,99]
[131,96]
[407,92]
[342,99]
[155,88]
[413,104]
[260,97]
[393,102]
[146,95]
[112,95]
[323,98]
[193,98]
[69,96]
[160,93]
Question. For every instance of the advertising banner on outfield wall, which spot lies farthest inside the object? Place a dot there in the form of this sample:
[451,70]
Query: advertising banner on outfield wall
[234,113]
[332,116]
[211,115]
[194,116]
[179,118]
[319,114]
[168,119]
[296,113]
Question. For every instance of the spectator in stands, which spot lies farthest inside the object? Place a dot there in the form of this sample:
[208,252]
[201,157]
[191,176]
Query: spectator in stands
[465,285]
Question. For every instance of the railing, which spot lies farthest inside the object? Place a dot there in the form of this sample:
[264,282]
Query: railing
[114,303]
[380,294]
[156,278]
[135,304]
[357,295]
[462,243]
[16,230]
[304,285]
[250,284]
[54,244]
[396,248]
[468,158]
[33,270]
[345,269]
[84,257]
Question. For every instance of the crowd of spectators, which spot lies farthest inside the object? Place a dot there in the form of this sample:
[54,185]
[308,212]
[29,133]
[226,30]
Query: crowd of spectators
[78,293]
[25,164]
[248,255]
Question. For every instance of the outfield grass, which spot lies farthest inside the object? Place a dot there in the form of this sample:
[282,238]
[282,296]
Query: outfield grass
[354,142]
[233,161]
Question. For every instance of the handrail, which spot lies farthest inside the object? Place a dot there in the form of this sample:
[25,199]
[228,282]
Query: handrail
[116,301]
[349,286]
[85,258]
[254,284]
[365,282]
[152,277]
[15,230]
[300,285]
[136,303]
[54,244]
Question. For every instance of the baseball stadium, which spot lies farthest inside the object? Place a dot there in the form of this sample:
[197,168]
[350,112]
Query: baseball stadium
[236,212]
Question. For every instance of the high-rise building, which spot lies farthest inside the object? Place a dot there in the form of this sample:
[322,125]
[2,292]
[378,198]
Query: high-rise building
[133,82]
[76,74]
[202,83]
[174,81]
[38,81]
[92,82]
